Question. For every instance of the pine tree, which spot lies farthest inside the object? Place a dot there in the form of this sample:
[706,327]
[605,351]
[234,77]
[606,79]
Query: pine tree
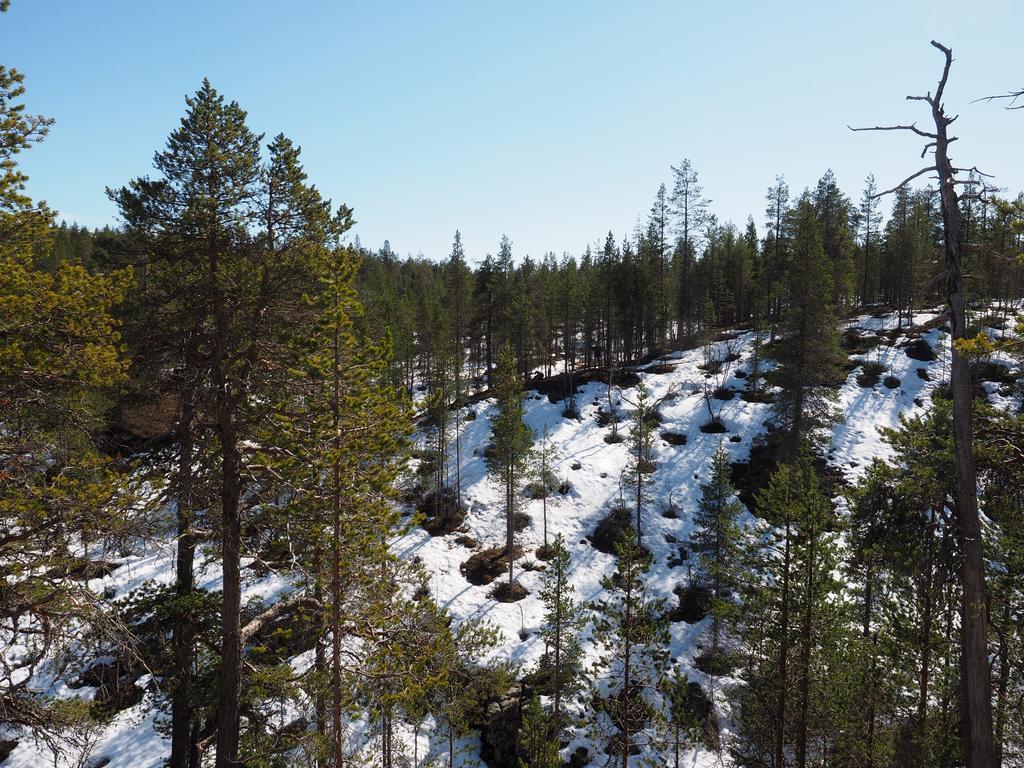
[538,747]
[682,721]
[776,250]
[563,621]
[870,224]
[630,627]
[691,209]
[545,456]
[245,236]
[717,538]
[808,354]
[511,442]
[61,353]
[792,623]
[641,459]
[833,210]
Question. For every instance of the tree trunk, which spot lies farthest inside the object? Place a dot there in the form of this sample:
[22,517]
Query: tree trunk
[976,684]
[780,709]
[183,640]
[805,654]
[229,695]
[337,733]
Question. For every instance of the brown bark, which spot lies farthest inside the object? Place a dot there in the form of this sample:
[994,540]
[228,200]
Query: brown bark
[780,709]
[228,702]
[807,630]
[337,734]
[976,689]
[183,753]
[974,621]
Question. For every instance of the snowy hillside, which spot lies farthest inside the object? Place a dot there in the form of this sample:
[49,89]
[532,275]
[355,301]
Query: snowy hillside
[592,468]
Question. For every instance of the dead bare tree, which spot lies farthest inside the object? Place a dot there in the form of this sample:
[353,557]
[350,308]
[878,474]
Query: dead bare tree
[976,689]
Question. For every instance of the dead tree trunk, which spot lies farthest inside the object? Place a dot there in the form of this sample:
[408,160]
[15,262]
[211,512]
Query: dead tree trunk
[976,689]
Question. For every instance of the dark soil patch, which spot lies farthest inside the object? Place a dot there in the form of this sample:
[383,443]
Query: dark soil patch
[614,437]
[713,427]
[740,374]
[611,530]
[521,521]
[694,604]
[487,565]
[870,374]
[891,382]
[750,477]
[114,683]
[919,349]
[678,557]
[944,392]
[660,369]
[984,370]
[545,552]
[653,419]
[509,593]
[81,569]
[855,343]
[542,490]
[995,322]
[711,367]
[757,396]
[716,663]
[703,712]
[674,438]
[724,393]
[441,512]
[466,541]
[735,439]
[922,373]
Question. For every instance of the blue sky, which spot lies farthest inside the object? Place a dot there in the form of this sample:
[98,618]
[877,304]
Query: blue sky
[552,122]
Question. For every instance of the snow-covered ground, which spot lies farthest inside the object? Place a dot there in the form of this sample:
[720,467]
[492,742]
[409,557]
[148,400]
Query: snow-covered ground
[593,469]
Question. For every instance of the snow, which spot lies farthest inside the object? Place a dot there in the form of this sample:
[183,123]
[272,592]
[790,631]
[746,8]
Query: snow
[131,740]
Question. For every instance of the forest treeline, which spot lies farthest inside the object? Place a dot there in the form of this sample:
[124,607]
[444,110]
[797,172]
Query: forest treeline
[227,371]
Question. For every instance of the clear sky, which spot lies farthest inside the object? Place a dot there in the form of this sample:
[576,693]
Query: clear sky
[551,121]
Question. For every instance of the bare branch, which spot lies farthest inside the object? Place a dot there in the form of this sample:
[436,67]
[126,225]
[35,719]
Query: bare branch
[1011,95]
[945,72]
[907,180]
[912,127]
[973,169]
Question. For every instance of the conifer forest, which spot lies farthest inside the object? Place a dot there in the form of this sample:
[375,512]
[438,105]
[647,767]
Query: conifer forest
[699,493]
